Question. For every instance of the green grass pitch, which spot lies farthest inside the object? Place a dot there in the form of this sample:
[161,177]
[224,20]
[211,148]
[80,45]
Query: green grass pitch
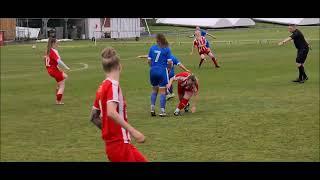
[248,110]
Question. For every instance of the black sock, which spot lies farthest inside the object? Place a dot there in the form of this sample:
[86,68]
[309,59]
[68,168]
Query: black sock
[300,72]
[201,61]
[304,75]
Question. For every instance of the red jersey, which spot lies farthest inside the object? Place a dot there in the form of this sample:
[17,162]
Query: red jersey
[51,61]
[110,91]
[182,82]
[201,44]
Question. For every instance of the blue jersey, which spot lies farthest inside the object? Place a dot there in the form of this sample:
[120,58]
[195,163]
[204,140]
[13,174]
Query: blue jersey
[175,61]
[159,57]
[203,32]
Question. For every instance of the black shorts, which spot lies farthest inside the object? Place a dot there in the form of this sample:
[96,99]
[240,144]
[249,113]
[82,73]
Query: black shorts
[302,55]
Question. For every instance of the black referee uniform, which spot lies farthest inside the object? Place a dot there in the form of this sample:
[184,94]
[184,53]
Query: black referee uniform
[302,53]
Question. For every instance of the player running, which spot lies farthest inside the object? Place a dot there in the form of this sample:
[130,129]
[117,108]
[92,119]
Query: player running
[204,33]
[160,63]
[109,113]
[52,60]
[187,87]
[175,62]
[200,43]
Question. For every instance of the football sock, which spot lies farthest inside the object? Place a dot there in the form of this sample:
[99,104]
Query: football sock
[201,61]
[215,61]
[162,102]
[300,72]
[304,75]
[59,97]
[183,103]
[171,89]
[153,98]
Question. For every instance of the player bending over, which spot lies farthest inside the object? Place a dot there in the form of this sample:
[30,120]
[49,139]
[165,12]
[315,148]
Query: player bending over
[175,62]
[52,60]
[187,87]
[160,63]
[200,43]
[109,113]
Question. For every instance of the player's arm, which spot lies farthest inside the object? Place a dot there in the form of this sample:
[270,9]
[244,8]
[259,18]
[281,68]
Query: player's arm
[61,63]
[114,115]
[284,41]
[95,117]
[143,56]
[183,67]
[171,81]
[214,37]
[169,60]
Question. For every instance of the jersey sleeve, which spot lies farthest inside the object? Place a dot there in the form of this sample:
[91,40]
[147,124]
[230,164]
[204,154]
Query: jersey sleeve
[150,54]
[175,60]
[169,55]
[96,103]
[113,93]
[294,35]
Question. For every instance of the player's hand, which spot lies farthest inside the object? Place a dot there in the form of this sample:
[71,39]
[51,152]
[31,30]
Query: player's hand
[138,136]
[193,109]
[280,43]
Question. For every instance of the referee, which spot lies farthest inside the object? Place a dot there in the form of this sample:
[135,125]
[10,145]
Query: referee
[303,49]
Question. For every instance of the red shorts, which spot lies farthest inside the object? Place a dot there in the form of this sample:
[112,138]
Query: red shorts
[123,152]
[183,90]
[207,51]
[56,73]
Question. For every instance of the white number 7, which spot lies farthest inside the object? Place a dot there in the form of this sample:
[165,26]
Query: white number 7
[158,55]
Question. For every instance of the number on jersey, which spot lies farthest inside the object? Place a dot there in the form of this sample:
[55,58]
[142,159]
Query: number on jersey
[158,55]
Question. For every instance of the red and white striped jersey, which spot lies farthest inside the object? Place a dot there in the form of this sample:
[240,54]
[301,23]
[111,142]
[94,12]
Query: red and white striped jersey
[200,44]
[51,61]
[182,82]
[110,91]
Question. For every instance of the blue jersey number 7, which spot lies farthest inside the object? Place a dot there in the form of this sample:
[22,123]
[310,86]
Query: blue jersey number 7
[158,55]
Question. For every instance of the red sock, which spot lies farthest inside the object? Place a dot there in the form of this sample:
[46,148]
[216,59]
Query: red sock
[183,103]
[59,97]
[215,61]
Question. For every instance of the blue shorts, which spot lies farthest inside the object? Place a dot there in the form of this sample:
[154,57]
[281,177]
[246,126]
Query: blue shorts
[158,76]
[207,44]
[171,74]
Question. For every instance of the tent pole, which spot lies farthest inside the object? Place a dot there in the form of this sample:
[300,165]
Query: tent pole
[145,20]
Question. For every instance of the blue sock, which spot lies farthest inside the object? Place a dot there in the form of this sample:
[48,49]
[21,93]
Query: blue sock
[153,98]
[162,101]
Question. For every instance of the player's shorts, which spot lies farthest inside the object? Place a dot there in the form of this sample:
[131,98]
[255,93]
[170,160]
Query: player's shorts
[205,52]
[182,90]
[302,55]
[159,76]
[123,152]
[56,74]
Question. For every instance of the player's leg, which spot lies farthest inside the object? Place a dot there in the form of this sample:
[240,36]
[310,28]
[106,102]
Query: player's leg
[154,94]
[154,81]
[301,57]
[61,78]
[201,59]
[170,93]
[163,91]
[214,60]
[183,102]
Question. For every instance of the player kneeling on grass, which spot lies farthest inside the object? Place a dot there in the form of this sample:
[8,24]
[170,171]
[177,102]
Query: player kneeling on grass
[109,113]
[187,87]
[52,60]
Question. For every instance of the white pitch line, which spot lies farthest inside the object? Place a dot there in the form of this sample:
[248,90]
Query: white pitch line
[84,66]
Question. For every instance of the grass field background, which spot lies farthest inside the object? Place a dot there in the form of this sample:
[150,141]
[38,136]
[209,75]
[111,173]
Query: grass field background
[248,110]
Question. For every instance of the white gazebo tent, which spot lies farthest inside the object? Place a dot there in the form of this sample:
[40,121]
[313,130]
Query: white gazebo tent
[207,22]
[297,21]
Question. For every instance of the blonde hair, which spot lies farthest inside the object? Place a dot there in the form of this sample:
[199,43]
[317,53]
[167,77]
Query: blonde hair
[110,60]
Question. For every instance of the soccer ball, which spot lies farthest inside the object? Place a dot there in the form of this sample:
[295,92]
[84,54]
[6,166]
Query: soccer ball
[33,46]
